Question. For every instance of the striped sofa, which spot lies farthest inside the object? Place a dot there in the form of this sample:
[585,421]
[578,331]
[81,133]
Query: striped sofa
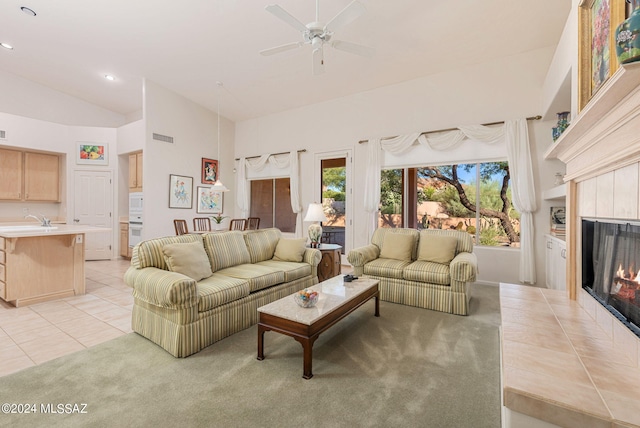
[184,316]
[416,282]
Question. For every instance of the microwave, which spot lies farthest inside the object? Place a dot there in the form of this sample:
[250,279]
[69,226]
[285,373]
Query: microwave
[135,204]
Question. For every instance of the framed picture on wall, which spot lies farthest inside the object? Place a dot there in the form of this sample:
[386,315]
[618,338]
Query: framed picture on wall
[597,60]
[209,201]
[92,154]
[180,191]
[209,171]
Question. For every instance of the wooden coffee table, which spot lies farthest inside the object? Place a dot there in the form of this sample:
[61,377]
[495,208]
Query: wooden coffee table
[336,300]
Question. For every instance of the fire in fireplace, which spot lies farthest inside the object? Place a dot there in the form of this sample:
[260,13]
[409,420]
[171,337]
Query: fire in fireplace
[610,268]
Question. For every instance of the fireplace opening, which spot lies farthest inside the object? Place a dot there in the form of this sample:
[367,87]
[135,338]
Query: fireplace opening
[611,268]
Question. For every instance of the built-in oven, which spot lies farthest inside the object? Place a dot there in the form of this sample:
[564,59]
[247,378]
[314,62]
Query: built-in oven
[136,204]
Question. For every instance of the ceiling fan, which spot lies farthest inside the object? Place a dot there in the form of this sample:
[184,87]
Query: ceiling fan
[317,35]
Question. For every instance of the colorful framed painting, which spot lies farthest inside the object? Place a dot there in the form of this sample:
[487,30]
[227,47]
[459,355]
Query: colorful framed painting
[209,201]
[92,154]
[209,171]
[596,50]
[180,191]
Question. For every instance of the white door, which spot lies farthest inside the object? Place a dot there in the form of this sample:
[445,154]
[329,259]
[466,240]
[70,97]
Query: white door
[93,207]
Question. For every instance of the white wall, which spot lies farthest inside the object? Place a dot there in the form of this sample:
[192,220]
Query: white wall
[194,130]
[501,89]
[23,97]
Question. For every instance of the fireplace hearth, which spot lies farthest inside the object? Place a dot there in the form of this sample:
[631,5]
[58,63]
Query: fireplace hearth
[611,268]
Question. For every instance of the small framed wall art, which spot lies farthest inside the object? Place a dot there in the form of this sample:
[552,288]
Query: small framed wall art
[209,171]
[209,201]
[92,154]
[180,191]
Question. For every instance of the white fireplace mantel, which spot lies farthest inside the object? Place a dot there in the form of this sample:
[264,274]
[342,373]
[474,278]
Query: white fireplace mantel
[606,133]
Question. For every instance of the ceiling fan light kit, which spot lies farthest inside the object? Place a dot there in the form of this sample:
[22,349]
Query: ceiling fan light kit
[316,34]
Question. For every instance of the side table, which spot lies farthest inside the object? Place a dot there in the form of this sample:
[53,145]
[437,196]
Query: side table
[330,263]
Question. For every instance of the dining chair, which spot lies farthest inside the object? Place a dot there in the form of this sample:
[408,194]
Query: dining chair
[181,227]
[201,224]
[237,224]
[253,223]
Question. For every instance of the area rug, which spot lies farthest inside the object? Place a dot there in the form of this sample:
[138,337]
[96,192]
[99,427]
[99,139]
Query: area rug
[410,367]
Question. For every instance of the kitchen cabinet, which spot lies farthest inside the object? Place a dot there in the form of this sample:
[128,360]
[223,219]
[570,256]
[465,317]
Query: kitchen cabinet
[330,263]
[125,251]
[36,266]
[11,175]
[29,176]
[556,263]
[135,172]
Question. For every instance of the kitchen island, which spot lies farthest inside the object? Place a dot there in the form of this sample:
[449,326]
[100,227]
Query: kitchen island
[42,263]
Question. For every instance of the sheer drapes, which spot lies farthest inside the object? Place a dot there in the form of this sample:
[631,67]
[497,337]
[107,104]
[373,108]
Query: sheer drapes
[513,133]
[257,164]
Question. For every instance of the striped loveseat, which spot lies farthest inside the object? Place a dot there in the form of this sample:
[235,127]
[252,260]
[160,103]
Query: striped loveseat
[430,268]
[184,315]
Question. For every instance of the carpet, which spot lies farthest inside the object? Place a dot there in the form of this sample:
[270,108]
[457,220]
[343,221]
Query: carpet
[410,367]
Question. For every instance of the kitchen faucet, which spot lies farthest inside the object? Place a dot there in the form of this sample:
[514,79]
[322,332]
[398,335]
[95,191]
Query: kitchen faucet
[44,220]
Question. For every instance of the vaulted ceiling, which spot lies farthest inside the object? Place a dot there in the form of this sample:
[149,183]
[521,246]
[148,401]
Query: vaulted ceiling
[188,46]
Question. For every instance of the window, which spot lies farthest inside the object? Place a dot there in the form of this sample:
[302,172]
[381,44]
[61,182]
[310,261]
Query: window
[271,201]
[475,198]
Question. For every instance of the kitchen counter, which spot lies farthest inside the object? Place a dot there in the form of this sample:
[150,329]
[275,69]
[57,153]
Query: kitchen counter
[39,264]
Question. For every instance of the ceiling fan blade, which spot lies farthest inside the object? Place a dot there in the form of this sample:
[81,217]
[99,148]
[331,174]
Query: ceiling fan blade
[348,14]
[279,12]
[281,48]
[353,48]
[318,61]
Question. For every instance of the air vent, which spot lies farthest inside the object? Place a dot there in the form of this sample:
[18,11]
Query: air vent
[164,138]
[3,135]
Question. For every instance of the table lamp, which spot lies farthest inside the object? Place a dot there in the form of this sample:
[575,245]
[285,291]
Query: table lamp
[315,213]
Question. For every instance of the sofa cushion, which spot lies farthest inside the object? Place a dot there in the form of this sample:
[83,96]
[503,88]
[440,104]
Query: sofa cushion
[226,249]
[388,268]
[432,273]
[261,243]
[258,276]
[219,289]
[187,258]
[292,270]
[381,233]
[149,253]
[397,246]
[290,250]
[465,242]
[437,248]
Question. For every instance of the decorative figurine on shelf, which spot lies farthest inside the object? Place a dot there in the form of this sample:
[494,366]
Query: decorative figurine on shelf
[628,36]
[563,123]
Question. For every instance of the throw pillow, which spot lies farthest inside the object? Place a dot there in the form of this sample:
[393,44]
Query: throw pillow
[290,250]
[189,259]
[437,248]
[397,246]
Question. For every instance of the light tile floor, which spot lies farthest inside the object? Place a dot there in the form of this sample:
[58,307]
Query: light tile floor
[31,335]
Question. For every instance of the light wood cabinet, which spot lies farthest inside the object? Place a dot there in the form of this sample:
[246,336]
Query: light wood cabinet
[125,251]
[10,175]
[135,172]
[41,177]
[29,176]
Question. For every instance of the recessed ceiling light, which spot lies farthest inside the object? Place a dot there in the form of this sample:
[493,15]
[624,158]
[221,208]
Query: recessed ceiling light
[28,11]
[109,77]
[6,46]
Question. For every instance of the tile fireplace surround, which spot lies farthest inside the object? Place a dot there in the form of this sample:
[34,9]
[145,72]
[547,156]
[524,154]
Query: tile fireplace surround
[566,360]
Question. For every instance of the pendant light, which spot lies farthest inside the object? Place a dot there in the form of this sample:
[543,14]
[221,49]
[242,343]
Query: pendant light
[218,186]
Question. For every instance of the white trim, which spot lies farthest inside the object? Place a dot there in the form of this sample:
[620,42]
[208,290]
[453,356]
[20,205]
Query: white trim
[317,196]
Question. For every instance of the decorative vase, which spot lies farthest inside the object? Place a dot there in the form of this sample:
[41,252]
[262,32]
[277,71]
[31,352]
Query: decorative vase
[628,36]
[563,123]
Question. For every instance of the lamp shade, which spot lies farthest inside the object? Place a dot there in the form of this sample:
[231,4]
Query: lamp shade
[315,213]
